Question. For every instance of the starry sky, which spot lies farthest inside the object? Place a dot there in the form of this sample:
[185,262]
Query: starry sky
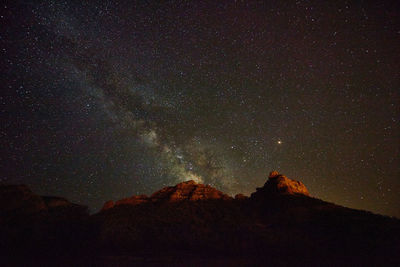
[101,100]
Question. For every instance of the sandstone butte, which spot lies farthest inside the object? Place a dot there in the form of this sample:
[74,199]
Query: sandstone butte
[188,190]
[277,184]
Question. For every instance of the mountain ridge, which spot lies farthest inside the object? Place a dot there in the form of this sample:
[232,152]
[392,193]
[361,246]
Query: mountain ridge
[196,224]
[192,191]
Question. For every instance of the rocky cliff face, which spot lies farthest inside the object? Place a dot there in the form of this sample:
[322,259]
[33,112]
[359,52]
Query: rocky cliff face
[278,184]
[134,200]
[188,190]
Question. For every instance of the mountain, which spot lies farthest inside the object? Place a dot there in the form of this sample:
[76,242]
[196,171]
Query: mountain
[280,184]
[188,190]
[193,224]
[19,201]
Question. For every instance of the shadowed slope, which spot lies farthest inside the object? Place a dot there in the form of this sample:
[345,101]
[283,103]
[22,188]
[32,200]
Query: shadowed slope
[194,224]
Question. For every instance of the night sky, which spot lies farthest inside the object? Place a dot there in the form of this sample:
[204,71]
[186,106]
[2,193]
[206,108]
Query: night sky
[101,101]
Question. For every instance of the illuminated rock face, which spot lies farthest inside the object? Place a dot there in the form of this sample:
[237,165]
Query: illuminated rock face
[188,190]
[134,200]
[192,191]
[108,205]
[241,197]
[280,184]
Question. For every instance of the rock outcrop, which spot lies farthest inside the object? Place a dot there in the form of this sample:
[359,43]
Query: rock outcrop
[278,184]
[192,191]
[240,197]
[108,205]
[189,190]
[134,200]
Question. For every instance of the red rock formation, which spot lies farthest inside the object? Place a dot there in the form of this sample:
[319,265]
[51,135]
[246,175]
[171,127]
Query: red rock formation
[280,184]
[241,197]
[298,226]
[134,200]
[188,190]
[192,191]
[108,205]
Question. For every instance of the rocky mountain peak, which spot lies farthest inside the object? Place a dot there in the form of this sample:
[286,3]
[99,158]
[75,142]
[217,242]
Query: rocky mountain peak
[192,191]
[185,183]
[279,184]
[273,174]
[188,190]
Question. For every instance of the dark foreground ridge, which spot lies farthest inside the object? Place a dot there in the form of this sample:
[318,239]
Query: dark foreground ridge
[192,224]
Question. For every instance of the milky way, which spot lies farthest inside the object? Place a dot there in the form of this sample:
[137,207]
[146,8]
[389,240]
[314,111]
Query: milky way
[104,100]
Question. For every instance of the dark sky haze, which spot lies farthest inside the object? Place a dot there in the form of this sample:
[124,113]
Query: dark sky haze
[101,100]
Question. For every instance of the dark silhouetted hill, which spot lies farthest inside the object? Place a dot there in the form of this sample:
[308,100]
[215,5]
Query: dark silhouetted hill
[192,224]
